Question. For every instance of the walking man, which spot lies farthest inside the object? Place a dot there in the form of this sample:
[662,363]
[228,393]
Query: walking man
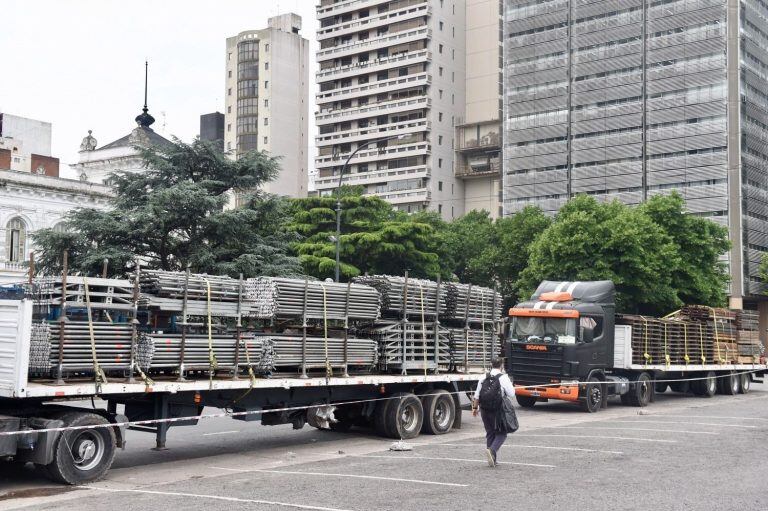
[491,389]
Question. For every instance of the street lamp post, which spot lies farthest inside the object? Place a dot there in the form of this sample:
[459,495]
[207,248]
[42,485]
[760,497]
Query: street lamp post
[338,192]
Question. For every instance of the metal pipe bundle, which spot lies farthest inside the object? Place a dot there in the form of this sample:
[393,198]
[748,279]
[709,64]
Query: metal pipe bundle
[362,354]
[406,345]
[197,353]
[171,284]
[112,342]
[113,294]
[273,297]
[473,347]
[419,296]
[473,304]
[194,307]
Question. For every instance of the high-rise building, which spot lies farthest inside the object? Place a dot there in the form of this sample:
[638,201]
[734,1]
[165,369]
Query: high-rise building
[25,145]
[391,80]
[631,99]
[266,99]
[478,132]
[212,128]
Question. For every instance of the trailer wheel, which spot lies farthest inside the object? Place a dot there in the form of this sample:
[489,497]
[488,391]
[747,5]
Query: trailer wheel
[404,416]
[706,387]
[82,455]
[681,386]
[745,382]
[439,412]
[593,396]
[728,384]
[525,401]
[380,417]
[640,391]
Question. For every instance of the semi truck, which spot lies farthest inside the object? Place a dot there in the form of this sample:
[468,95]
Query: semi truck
[568,343]
[72,424]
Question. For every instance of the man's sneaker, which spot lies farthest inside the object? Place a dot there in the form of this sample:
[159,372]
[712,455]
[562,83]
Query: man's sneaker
[491,458]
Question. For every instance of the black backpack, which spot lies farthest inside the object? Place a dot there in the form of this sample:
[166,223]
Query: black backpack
[490,393]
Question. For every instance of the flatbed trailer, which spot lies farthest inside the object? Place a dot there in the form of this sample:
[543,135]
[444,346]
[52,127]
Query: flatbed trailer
[38,423]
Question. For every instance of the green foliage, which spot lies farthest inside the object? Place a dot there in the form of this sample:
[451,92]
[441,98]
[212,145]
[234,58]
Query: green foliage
[174,214]
[649,262]
[375,238]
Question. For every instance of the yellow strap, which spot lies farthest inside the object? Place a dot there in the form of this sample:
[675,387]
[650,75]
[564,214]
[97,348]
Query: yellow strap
[328,368]
[667,359]
[685,341]
[701,341]
[646,355]
[717,337]
[98,373]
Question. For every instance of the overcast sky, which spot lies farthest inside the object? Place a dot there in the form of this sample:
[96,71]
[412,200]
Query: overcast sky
[79,64]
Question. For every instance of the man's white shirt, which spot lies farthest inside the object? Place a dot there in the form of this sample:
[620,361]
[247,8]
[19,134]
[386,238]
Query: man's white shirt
[507,389]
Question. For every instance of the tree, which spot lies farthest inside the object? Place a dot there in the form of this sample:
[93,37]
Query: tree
[593,241]
[175,214]
[375,238]
[700,277]
[467,240]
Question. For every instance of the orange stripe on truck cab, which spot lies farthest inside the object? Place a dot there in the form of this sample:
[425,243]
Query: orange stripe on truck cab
[544,313]
[556,297]
[562,392]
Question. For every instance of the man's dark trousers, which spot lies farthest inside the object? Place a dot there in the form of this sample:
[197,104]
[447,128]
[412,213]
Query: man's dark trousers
[493,439]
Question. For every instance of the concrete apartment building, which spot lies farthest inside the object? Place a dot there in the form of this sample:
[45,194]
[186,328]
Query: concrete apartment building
[25,145]
[391,87]
[212,128]
[266,93]
[478,132]
[624,100]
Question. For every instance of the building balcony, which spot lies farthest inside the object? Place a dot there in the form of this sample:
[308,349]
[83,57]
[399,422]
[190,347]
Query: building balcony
[374,21]
[478,167]
[405,196]
[372,177]
[374,43]
[378,131]
[373,88]
[334,9]
[387,107]
[488,141]
[375,154]
[374,66]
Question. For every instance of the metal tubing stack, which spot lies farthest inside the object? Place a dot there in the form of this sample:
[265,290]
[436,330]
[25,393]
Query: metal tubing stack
[473,347]
[273,297]
[411,345]
[171,284]
[361,354]
[112,294]
[197,353]
[473,304]
[419,296]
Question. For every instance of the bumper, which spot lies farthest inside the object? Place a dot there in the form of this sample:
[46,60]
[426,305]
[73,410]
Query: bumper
[562,392]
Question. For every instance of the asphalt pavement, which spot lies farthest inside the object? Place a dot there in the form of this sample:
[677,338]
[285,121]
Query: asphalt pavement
[680,453]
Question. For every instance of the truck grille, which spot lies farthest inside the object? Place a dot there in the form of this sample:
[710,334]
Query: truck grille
[535,367]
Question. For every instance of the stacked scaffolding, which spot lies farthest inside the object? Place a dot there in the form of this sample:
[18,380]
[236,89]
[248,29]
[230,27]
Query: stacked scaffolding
[411,345]
[104,294]
[411,297]
[750,347]
[475,326]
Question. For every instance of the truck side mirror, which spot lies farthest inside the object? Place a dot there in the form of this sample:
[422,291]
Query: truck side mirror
[587,334]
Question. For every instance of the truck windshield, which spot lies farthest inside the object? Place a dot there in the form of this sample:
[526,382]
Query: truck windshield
[549,330]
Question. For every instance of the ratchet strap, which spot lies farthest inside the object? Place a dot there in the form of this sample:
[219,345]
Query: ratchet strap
[685,343]
[646,355]
[667,358]
[98,373]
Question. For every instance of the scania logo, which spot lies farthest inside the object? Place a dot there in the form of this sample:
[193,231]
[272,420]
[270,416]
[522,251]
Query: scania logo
[535,347]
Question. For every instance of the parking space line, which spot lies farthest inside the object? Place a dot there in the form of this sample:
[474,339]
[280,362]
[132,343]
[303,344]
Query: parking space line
[713,417]
[222,432]
[654,430]
[538,447]
[333,474]
[216,497]
[653,440]
[430,458]
[644,421]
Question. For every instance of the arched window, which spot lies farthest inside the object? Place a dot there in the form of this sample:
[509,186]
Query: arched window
[15,239]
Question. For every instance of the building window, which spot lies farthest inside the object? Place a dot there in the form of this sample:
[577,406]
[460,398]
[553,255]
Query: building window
[266,84]
[266,47]
[440,116]
[229,127]
[439,208]
[266,66]
[229,56]
[15,239]
[266,140]
[229,146]
[229,109]
[440,186]
[266,121]
[266,103]
[439,50]
[453,77]
[440,71]
[229,74]
[440,93]
[440,25]
[229,91]
[439,140]
[440,164]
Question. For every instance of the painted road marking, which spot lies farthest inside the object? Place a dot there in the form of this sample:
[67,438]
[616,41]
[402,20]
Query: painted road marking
[643,421]
[217,497]
[602,437]
[333,474]
[222,432]
[641,429]
[429,458]
[713,417]
[482,446]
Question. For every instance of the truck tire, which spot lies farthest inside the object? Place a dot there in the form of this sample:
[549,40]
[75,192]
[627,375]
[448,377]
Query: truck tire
[705,387]
[82,455]
[745,383]
[380,418]
[439,412]
[404,416]
[526,401]
[593,396]
[640,391]
[681,386]
[728,383]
